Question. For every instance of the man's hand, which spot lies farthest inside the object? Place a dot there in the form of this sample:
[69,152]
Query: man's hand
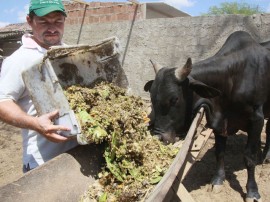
[12,114]
[49,130]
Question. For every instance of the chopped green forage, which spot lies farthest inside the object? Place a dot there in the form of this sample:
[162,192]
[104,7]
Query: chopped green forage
[135,160]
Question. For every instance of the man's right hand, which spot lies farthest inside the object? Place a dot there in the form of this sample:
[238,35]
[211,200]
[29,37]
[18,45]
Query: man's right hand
[49,130]
[12,114]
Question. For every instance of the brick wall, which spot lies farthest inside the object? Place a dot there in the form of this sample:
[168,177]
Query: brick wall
[101,12]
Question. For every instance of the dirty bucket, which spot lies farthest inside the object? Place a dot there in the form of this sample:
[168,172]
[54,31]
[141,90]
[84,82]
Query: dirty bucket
[66,66]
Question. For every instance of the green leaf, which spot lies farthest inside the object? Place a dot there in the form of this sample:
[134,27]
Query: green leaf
[99,133]
[135,172]
[155,180]
[235,7]
[83,115]
[103,197]
[115,170]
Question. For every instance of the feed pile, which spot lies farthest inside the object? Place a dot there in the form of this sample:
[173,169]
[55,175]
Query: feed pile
[135,160]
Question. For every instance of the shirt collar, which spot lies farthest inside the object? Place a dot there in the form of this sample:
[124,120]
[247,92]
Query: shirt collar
[28,42]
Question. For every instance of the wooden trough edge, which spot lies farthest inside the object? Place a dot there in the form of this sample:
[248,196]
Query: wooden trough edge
[63,179]
[170,185]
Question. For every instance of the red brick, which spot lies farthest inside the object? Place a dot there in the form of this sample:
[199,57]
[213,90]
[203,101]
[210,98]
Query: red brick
[92,19]
[89,12]
[102,18]
[113,18]
[72,21]
[69,14]
[102,12]
[99,11]
[122,16]
[96,4]
[122,8]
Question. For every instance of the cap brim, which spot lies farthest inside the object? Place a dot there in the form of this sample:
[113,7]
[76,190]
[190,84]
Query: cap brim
[46,10]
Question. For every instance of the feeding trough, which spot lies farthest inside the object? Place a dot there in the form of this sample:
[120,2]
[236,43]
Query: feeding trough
[66,177]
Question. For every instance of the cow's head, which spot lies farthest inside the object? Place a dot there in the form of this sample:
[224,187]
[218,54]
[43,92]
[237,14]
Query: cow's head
[172,100]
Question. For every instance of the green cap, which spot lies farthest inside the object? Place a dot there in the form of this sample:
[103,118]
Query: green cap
[44,7]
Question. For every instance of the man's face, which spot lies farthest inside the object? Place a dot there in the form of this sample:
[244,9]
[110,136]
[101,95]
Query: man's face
[48,30]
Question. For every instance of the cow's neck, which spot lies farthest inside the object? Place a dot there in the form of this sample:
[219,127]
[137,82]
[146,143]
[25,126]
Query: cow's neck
[196,102]
[206,104]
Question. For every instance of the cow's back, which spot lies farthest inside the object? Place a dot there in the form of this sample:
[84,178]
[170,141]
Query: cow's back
[241,71]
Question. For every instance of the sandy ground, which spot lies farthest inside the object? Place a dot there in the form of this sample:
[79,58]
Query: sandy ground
[196,182]
[234,189]
[10,154]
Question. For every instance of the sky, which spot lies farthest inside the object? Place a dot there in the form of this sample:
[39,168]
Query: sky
[14,11]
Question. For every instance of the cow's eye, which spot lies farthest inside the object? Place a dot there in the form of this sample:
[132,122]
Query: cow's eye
[173,101]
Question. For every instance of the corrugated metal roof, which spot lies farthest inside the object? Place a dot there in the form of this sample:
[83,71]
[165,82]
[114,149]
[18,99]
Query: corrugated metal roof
[14,30]
[15,27]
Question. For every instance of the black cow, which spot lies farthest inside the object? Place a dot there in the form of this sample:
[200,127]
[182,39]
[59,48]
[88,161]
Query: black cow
[234,88]
[266,44]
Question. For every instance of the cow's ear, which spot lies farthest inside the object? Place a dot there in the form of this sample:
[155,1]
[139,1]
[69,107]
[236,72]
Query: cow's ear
[148,85]
[202,89]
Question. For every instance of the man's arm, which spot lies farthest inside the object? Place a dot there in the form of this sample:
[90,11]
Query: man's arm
[12,114]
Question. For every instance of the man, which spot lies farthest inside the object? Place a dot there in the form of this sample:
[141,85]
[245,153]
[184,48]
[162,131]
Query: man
[41,142]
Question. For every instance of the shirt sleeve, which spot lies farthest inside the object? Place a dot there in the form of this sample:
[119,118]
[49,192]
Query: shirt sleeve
[11,82]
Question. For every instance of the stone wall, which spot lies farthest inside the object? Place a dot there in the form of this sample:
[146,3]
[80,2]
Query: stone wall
[168,41]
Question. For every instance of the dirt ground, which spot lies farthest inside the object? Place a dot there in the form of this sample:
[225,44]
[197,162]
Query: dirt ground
[10,154]
[234,189]
[196,182]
